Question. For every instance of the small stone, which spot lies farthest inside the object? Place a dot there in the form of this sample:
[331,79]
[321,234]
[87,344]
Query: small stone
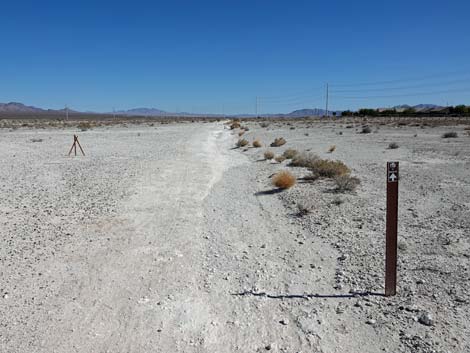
[343,257]
[371,322]
[268,347]
[284,322]
[426,319]
[5,296]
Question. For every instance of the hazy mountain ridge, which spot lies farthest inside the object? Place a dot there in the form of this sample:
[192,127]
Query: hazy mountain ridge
[20,108]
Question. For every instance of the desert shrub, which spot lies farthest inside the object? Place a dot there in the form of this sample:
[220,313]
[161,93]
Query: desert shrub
[36,140]
[304,208]
[244,128]
[241,133]
[393,145]
[290,153]
[280,159]
[268,155]
[346,183]
[242,143]
[366,130]
[284,180]
[451,134]
[304,159]
[257,143]
[311,177]
[264,124]
[234,125]
[84,125]
[332,149]
[329,169]
[278,142]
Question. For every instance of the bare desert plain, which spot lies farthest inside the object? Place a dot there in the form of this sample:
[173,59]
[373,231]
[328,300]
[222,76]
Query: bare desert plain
[168,238]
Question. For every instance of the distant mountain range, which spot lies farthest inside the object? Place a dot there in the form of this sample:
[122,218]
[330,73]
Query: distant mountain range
[20,108]
[14,107]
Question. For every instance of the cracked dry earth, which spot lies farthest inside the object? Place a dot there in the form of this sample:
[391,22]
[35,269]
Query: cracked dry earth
[161,239]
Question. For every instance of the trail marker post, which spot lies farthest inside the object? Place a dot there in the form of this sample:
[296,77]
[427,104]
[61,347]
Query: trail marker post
[74,146]
[391,232]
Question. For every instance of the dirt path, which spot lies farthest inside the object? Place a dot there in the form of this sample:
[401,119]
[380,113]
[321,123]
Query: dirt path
[166,247]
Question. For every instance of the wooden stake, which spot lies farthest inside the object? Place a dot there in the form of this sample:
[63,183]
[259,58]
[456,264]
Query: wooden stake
[74,146]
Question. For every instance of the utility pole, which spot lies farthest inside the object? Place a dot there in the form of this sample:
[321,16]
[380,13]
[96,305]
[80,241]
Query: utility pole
[114,114]
[66,113]
[256,107]
[327,93]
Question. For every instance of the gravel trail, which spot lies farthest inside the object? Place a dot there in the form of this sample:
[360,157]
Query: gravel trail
[155,241]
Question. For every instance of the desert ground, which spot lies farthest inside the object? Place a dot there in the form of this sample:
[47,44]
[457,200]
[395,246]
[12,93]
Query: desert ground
[168,238]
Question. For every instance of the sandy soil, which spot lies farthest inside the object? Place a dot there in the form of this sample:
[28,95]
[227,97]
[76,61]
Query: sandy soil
[166,239]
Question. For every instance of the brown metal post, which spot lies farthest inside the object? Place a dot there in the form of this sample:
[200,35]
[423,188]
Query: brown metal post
[392,227]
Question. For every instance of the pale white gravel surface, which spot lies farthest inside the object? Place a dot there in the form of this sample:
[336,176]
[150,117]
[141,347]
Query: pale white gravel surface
[161,239]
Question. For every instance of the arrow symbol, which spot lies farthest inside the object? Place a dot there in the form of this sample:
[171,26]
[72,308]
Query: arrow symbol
[392,177]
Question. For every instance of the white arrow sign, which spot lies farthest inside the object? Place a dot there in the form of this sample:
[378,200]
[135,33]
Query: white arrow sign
[392,177]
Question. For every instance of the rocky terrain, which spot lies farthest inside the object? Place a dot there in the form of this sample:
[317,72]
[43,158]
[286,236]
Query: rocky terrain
[166,238]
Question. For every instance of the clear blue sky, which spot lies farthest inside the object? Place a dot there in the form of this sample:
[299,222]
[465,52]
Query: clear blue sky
[214,56]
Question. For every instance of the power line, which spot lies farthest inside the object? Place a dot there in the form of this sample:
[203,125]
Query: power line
[402,87]
[419,78]
[407,95]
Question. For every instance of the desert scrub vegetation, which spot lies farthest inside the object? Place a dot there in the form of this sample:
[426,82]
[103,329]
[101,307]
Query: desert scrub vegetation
[450,134]
[264,124]
[268,155]
[242,143]
[329,169]
[278,142]
[304,159]
[241,133]
[392,145]
[304,208]
[284,180]
[332,149]
[234,125]
[85,125]
[366,130]
[290,153]
[280,159]
[346,183]
[257,144]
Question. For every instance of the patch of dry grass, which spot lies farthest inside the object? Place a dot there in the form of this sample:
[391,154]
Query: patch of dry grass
[329,169]
[85,125]
[304,159]
[242,143]
[234,125]
[278,142]
[284,180]
[290,153]
[392,145]
[280,159]
[304,208]
[346,183]
[332,149]
[268,155]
